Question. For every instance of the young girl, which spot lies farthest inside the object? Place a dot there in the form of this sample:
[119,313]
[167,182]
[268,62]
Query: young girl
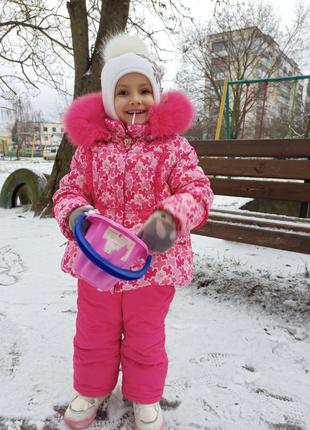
[133,167]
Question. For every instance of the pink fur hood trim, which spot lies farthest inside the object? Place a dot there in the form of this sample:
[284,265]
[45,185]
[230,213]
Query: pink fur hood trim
[85,119]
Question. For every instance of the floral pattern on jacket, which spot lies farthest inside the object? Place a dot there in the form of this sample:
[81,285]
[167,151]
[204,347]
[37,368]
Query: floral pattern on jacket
[128,173]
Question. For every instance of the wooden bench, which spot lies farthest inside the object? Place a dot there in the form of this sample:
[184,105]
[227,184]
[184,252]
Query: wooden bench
[270,169]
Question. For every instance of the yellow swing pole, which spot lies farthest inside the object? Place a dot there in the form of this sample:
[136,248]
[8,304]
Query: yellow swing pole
[221,113]
[33,143]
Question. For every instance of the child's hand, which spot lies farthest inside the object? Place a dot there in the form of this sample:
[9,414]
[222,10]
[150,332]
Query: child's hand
[159,231]
[76,213]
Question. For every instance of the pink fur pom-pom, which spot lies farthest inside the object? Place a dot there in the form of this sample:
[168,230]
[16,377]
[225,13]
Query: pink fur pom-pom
[174,114]
[84,120]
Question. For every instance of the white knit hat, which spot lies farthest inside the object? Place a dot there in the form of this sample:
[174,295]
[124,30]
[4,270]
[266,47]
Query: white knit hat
[126,54]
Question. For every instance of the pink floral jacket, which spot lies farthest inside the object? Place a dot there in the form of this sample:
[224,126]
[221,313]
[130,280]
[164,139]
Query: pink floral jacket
[128,173]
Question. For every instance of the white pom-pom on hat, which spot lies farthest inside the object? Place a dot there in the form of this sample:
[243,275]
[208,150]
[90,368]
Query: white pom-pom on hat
[122,44]
[125,54]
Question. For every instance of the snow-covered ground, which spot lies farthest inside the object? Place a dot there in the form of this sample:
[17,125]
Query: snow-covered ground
[237,338]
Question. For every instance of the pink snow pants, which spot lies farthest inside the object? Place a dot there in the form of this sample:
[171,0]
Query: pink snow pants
[125,328]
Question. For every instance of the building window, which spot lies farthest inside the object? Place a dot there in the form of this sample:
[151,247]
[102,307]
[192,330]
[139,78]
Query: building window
[45,138]
[45,129]
[54,129]
[62,129]
[220,74]
[218,46]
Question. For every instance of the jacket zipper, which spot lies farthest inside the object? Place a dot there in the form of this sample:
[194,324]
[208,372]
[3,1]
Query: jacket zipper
[127,141]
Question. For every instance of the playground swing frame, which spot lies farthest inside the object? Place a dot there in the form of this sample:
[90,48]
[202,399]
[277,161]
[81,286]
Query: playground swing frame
[244,109]
[225,97]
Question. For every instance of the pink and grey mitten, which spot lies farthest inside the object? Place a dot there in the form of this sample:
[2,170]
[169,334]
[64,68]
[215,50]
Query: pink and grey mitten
[159,231]
[76,213]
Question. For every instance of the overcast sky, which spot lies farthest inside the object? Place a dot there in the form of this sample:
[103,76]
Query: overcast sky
[51,103]
[285,8]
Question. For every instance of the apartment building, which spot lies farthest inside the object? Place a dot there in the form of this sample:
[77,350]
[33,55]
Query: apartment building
[32,137]
[40,133]
[5,139]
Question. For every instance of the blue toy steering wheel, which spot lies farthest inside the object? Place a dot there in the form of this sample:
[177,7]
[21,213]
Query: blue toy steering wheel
[103,263]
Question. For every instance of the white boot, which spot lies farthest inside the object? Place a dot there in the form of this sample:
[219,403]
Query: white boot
[148,417]
[82,410]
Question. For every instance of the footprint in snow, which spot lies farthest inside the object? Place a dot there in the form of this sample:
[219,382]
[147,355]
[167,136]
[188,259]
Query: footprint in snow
[216,359]
[280,411]
[10,351]
[11,266]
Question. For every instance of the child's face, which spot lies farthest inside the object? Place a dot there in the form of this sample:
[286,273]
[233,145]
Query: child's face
[133,97]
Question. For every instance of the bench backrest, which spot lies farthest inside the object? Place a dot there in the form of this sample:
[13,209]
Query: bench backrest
[266,169]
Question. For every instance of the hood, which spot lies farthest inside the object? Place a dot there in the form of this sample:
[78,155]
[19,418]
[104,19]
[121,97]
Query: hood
[84,121]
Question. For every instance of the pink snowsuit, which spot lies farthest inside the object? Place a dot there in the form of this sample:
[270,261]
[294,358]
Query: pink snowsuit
[127,173]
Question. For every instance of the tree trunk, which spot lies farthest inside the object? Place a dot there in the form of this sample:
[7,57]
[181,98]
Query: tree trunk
[114,17]
[60,168]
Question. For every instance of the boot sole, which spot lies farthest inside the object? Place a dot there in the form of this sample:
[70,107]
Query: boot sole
[80,424]
[161,428]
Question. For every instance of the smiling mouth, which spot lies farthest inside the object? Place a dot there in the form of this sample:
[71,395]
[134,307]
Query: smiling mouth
[137,112]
